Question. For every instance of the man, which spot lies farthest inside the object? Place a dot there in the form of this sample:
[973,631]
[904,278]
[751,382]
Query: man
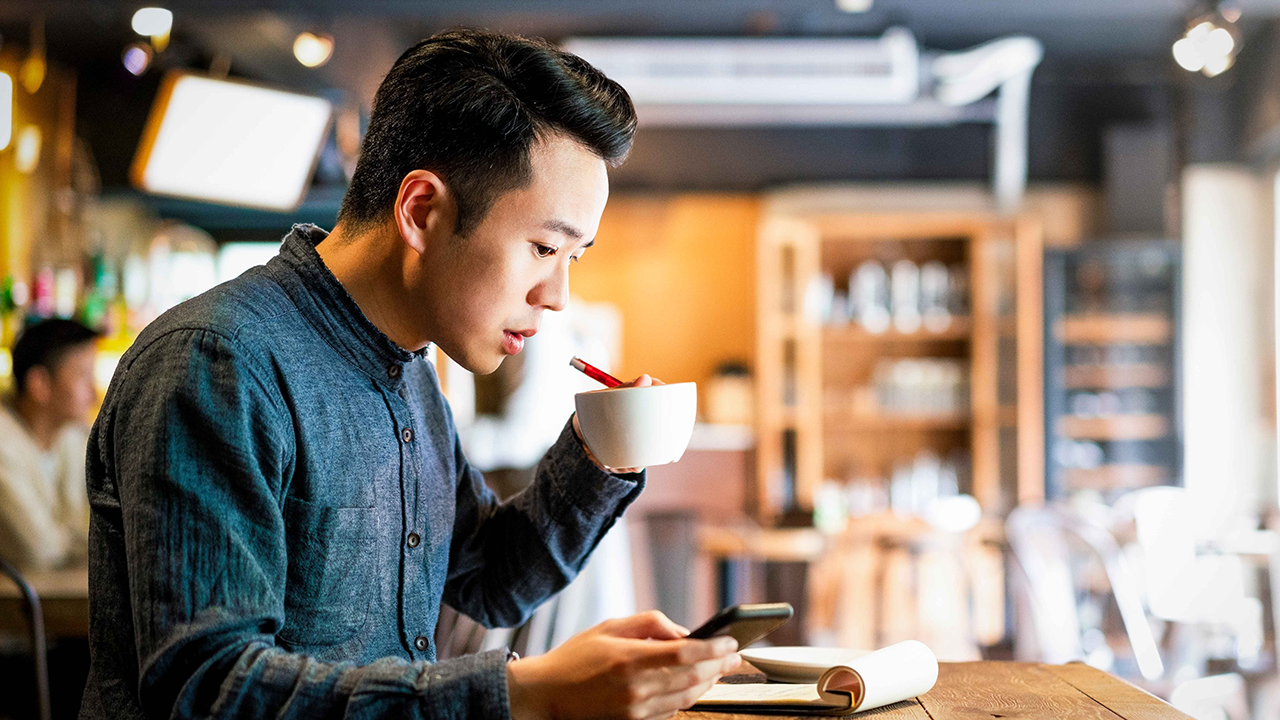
[280,502]
[44,516]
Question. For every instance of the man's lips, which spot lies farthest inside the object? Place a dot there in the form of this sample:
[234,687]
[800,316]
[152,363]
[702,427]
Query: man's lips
[513,340]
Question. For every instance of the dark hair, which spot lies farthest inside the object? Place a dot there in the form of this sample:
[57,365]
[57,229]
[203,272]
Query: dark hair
[468,105]
[44,344]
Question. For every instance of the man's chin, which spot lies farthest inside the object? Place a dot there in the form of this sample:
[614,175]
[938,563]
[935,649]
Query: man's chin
[483,365]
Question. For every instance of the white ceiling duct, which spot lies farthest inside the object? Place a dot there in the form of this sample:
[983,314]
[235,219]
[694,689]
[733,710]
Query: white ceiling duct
[761,71]
[884,81]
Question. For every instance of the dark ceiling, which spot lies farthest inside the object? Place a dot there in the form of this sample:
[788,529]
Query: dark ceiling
[1106,61]
[256,35]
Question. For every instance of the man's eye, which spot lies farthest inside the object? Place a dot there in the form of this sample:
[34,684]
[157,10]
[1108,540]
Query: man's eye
[543,251]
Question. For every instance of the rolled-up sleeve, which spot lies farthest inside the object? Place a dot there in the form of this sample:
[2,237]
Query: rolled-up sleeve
[507,558]
[202,452]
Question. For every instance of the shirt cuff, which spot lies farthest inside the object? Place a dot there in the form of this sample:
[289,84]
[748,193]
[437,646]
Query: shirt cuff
[583,483]
[469,686]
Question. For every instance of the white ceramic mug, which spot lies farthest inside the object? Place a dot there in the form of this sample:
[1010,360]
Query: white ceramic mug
[638,427]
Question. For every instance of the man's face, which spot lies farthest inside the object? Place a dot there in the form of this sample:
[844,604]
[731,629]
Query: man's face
[486,292]
[71,390]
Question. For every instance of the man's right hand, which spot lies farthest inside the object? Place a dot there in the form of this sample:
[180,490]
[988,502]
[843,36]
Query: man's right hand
[630,668]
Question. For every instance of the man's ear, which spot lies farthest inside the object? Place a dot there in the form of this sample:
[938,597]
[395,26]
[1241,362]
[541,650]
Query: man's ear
[39,385]
[425,210]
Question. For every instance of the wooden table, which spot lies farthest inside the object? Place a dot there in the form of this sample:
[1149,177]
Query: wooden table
[64,598]
[986,690]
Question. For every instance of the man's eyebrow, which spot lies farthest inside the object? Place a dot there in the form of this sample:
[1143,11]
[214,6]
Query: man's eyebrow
[563,228]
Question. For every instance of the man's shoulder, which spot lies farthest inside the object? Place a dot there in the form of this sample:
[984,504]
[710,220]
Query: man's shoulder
[231,308]
[248,313]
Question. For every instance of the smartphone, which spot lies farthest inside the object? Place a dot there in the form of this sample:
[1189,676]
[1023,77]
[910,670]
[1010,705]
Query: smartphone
[745,623]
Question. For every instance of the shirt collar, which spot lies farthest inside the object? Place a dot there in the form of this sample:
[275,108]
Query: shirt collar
[325,303]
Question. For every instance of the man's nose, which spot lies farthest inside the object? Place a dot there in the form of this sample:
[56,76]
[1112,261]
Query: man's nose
[553,292]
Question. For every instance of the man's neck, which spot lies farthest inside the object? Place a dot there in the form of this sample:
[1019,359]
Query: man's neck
[372,269]
[43,427]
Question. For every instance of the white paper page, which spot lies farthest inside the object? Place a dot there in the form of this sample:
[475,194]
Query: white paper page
[765,694]
[896,673]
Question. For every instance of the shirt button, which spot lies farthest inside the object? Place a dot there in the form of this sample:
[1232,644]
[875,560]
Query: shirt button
[420,642]
[414,539]
[393,371]
[406,435]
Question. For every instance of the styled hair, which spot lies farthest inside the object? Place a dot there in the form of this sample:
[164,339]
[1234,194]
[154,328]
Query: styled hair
[44,344]
[468,105]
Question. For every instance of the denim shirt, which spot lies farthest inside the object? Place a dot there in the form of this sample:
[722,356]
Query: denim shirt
[280,504]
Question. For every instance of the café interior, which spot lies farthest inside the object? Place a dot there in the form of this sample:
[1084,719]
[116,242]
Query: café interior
[980,301]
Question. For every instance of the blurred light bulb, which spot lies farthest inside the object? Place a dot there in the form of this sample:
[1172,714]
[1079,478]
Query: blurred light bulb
[1219,42]
[32,71]
[6,110]
[26,153]
[1216,65]
[1209,45]
[1188,55]
[853,6]
[313,50]
[136,58]
[152,21]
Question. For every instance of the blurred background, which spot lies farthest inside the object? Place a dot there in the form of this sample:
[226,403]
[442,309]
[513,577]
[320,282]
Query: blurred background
[980,299]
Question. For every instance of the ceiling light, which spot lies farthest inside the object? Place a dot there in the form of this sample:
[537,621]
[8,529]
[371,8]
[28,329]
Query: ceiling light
[26,153]
[313,50]
[136,58]
[1210,43]
[152,21]
[853,6]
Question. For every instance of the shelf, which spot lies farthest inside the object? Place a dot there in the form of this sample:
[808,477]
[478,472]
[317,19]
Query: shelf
[851,421]
[1114,427]
[1115,476]
[1132,375]
[1120,328]
[959,329]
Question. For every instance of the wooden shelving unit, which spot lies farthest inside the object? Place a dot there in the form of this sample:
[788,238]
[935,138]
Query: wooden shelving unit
[808,432]
[1146,426]
[1112,365]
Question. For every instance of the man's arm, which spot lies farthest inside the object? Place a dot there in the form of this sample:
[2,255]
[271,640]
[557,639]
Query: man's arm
[201,448]
[507,558]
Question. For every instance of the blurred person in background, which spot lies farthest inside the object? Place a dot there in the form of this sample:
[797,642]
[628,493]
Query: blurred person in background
[280,500]
[44,514]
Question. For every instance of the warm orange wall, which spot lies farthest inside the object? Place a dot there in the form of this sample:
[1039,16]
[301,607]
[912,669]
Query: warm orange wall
[682,270]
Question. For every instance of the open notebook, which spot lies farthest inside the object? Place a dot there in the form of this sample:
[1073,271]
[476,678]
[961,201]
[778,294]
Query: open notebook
[886,676]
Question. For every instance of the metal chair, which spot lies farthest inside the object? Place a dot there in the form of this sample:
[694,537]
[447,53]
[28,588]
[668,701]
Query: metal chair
[1039,540]
[35,620]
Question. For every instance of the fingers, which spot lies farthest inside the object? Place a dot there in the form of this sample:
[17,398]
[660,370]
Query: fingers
[678,653]
[680,688]
[651,625]
[644,380]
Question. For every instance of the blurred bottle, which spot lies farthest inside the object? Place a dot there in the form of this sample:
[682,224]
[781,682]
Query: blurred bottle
[730,396]
[905,290]
[935,286]
[869,296]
